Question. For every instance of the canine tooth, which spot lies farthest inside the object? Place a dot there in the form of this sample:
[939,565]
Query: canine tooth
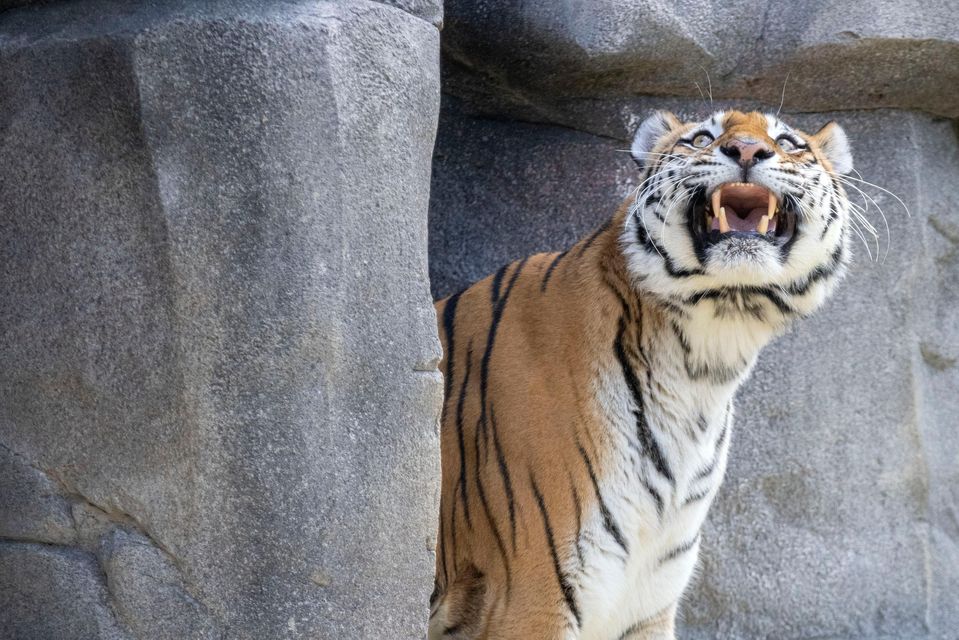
[723,223]
[717,197]
[763,225]
[772,205]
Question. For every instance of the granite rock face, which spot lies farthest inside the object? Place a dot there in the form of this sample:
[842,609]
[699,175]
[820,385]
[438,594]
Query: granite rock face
[219,400]
[838,517]
[837,55]
[53,592]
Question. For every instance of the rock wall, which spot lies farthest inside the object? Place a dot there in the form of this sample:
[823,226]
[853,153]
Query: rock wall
[219,396]
[839,517]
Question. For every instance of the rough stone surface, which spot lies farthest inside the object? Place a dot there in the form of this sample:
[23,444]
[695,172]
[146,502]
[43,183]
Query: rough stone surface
[838,516]
[31,507]
[838,55]
[502,190]
[429,10]
[148,592]
[217,332]
[53,592]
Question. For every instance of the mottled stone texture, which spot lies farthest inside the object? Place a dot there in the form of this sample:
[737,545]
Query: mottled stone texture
[218,398]
[838,55]
[839,517]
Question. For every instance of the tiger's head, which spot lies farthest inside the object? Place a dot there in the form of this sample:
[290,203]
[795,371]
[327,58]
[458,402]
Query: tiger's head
[739,205]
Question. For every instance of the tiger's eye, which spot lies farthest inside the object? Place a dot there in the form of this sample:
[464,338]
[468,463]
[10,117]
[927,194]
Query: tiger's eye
[702,141]
[787,145]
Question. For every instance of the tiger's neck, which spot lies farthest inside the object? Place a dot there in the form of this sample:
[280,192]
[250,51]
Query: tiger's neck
[709,341]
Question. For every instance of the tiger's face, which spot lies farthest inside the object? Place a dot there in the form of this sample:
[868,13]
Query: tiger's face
[738,202]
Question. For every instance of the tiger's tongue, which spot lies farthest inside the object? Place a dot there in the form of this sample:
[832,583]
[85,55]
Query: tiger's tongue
[749,223]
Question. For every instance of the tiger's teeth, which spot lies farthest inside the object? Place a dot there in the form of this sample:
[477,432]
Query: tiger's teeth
[723,223]
[763,225]
[717,197]
[772,206]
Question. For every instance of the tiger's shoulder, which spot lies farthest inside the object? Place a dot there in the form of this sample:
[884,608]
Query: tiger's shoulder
[545,290]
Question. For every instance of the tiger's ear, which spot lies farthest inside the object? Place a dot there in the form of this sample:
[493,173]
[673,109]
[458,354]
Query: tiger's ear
[834,144]
[650,133]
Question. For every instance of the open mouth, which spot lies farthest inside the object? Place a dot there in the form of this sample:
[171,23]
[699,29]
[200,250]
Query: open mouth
[742,209]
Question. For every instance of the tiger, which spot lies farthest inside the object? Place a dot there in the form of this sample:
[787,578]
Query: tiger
[589,393]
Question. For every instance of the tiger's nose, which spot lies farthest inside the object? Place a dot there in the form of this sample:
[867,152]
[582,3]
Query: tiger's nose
[746,151]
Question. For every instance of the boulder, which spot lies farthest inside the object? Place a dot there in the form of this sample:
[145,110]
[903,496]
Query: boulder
[824,55]
[217,330]
[54,592]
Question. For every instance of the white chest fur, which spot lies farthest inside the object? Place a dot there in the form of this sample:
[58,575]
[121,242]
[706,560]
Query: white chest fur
[659,504]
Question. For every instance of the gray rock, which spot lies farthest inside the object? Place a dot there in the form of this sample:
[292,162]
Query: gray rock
[429,10]
[53,592]
[213,292]
[147,590]
[838,515]
[837,55]
[31,507]
[502,190]
[12,4]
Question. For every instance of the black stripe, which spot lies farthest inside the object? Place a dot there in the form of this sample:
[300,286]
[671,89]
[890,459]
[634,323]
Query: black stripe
[592,238]
[833,214]
[790,202]
[652,247]
[608,522]
[658,499]
[441,553]
[449,326]
[460,438]
[697,496]
[499,305]
[784,307]
[492,525]
[680,550]
[579,518]
[643,431]
[504,474]
[634,318]
[708,469]
[801,287]
[564,585]
[453,524]
[549,270]
[497,283]
[733,295]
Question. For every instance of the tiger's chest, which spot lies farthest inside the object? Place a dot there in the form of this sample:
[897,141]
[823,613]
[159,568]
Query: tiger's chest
[658,488]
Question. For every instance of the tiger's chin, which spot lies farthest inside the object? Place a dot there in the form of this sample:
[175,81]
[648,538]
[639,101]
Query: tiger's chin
[741,260]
